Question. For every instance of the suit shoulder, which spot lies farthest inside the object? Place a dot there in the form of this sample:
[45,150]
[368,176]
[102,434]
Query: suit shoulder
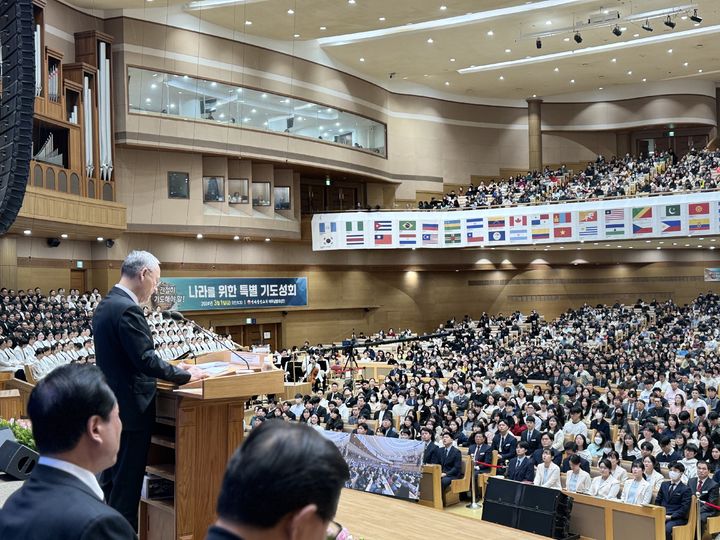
[109,525]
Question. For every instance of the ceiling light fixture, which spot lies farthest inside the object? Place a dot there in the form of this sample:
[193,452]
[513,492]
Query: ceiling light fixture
[468,18]
[199,236]
[452,59]
[592,50]
[695,17]
[430,40]
[381,19]
[236,238]
[617,31]
[64,236]
[323,28]
[291,11]
[508,50]
[578,38]
[248,23]
[647,26]
[670,23]
[443,8]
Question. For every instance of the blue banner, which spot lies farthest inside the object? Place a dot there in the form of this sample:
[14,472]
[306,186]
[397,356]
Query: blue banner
[197,294]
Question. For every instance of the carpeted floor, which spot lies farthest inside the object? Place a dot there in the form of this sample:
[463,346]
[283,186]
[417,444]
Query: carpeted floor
[8,485]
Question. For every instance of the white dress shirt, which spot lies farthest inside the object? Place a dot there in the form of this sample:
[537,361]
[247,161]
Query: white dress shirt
[129,292]
[85,476]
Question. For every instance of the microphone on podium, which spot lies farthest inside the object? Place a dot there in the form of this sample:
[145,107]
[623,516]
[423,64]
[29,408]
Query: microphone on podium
[177,316]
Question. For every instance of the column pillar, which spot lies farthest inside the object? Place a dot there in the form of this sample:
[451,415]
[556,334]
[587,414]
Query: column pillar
[623,141]
[535,160]
[8,262]
[717,114]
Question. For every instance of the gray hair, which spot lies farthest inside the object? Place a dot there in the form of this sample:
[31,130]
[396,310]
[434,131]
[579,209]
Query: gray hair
[136,261]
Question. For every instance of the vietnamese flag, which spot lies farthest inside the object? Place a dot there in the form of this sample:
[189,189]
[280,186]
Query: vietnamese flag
[562,232]
[696,209]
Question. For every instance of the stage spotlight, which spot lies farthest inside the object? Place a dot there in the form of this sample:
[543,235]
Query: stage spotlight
[647,26]
[577,38]
[695,17]
[669,22]
[617,31]
[538,43]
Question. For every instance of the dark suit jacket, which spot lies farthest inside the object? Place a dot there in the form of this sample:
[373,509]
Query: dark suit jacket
[507,452]
[391,433]
[482,453]
[385,414]
[584,465]
[126,355]
[678,505]
[533,441]
[526,471]
[537,457]
[54,505]
[216,533]
[451,462]
[431,456]
[709,494]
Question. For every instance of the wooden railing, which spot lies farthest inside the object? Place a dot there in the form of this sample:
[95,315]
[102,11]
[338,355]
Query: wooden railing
[73,182]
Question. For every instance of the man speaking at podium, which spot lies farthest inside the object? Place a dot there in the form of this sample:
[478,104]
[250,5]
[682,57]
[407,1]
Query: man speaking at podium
[125,353]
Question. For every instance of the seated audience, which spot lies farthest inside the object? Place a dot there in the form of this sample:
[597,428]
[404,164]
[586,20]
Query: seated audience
[637,490]
[676,497]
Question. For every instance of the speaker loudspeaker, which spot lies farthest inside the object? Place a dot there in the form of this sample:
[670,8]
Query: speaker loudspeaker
[53,242]
[17,460]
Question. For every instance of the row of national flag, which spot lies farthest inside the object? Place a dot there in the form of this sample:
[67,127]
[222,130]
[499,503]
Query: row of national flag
[488,227]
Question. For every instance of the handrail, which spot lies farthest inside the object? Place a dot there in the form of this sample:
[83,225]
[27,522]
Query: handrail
[523,205]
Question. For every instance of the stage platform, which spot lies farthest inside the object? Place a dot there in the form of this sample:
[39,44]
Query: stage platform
[374,517]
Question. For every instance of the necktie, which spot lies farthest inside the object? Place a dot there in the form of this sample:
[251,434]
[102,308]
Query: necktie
[699,487]
[670,491]
[502,442]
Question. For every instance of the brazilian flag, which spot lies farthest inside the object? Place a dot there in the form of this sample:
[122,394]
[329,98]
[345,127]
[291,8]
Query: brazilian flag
[407,226]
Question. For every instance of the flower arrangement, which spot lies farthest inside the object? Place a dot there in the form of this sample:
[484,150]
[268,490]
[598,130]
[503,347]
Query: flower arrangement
[22,429]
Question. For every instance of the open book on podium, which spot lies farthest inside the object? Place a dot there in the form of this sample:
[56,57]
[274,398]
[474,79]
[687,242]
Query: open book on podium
[229,376]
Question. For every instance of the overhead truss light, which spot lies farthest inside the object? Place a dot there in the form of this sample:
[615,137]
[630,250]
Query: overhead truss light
[695,17]
[617,31]
[538,43]
[647,26]
[670,23]
[577,37]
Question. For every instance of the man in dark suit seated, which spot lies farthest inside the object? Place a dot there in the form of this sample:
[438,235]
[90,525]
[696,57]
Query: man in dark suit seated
[676,498]
[546,443]
[571,450]
[521,467]
[126,355]
[504,442]
[305,497]
[706,490]
[431,454]
[383,412]
[76,424]
[531,435]
[451,461]
[387,429]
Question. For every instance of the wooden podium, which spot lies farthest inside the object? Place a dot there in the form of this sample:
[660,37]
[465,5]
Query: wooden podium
[198,427]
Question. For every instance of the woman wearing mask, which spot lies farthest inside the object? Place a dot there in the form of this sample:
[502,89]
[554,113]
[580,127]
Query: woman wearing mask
[605,486]
[598,447]
[637,490]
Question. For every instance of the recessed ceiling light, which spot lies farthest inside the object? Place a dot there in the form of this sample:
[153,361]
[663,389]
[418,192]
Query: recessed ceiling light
[699,70]
[199,236]
[556,69]
[267,239]
[636,35]
[501,78]
[153,86]
[683,18]
[508,50]
[296,35]
[566,39]
[290,11]
[148,100]
[447,83]
[100,239]
[452,59]
[686,64]
[490,33]
[27,232]
[362,59]
[623,28]
[430,40]
[648,241]
[381,19]
[630,72]
[323,28]
[572,81]
[669,51]
[351,2]
[658,247]
[644,79]
[443,8]
[213,84]
[614,60]
[534,95]
[63,235]
[248,23]
[548,23]
[712,247]
[600,88]
[236,238]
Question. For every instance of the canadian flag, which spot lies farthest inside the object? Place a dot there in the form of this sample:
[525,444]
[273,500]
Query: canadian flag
[519,220]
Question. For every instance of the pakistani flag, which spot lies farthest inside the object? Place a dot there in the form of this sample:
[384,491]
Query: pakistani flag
[407,226]
[672,210]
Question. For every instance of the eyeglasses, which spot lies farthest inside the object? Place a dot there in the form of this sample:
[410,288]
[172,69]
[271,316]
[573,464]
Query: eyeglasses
[334,530]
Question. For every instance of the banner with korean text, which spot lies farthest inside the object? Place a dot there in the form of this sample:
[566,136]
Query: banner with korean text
[195,294]
[665,216]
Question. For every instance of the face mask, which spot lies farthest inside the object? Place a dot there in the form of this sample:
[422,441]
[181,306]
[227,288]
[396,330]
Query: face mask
[674,475]
[598,440]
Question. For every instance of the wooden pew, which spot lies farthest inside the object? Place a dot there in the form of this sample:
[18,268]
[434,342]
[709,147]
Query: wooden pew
[431,493]
[687,531]
[11,404]
[460,485]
